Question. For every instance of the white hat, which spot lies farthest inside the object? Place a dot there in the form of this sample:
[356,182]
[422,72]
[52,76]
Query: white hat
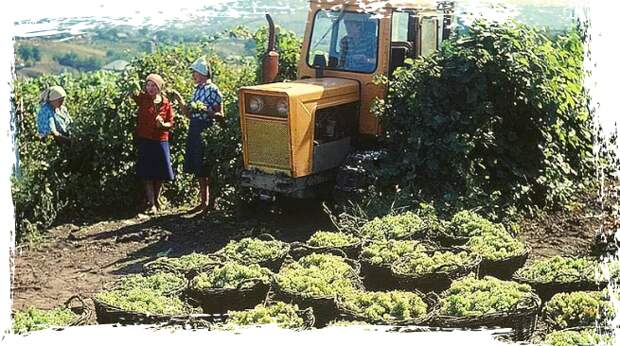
[52,93]
[202,66]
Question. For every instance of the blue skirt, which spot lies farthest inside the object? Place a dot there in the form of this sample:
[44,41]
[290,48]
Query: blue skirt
[194,162]
[154,160]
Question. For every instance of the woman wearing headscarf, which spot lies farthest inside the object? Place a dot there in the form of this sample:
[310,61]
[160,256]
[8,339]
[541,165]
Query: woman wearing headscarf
[155,119]
[205,108]
[53,118]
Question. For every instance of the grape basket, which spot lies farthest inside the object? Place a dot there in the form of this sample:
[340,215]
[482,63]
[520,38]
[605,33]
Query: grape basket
[436,281]
[324,307]
[299,250]
[504,268]
[521,318]
[347,314]
[568,283]
[246,295]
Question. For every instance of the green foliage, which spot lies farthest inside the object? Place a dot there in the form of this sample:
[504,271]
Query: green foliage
[421,263]
[74,60]
[560,269]
[331,239]
[384,252]
[230,275]
[400,226]
[96,173]
[29,53]
[500,114]
[385,306]
[576,309]
[587,336]
[32,319]
[317,275]
[284,315]
[253,251]
[475,297]
[496,246]
[288,47]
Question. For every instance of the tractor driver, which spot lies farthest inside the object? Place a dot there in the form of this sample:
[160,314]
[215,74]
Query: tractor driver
[358,48]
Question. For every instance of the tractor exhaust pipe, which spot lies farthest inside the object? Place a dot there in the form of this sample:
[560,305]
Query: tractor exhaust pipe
[271,59]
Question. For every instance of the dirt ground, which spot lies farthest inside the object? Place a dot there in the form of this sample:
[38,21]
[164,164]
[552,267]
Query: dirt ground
[81,259]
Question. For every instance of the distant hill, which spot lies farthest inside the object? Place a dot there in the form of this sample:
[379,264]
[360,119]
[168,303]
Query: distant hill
[97,40]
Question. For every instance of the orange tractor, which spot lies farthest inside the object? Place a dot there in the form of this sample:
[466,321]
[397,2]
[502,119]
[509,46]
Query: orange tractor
[298,136]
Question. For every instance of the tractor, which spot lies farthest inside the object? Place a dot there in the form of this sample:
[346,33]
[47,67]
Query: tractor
[300,136]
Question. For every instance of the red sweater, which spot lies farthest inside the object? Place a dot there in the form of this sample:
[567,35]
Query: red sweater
[147,112]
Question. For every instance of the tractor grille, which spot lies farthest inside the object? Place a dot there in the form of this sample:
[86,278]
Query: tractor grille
[268,144]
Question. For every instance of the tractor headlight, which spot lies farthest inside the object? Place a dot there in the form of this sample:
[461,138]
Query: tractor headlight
[282,107]
[267,105]
[256,104]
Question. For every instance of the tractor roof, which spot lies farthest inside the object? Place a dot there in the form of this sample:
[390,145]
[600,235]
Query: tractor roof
[378,5]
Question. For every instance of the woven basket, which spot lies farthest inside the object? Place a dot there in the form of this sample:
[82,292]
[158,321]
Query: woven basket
[299,250]
[272,264]
[505,268]
[448,240]
[158,267]
[220,300]
[324,307]
[522,319]
[377,277]
[83,312]
[307,314]
[107,313]
[437,281]
[349,315]
[546,290]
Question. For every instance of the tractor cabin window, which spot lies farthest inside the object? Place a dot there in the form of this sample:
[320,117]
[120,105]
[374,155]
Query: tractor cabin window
[403,46]
[346,41]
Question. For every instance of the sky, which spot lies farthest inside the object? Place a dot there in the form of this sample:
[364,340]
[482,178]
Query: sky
[75,8]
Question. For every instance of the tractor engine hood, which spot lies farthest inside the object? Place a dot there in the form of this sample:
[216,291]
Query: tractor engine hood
[284,143]
[319,92]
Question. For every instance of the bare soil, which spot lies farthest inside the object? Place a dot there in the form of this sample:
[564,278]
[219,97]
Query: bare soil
[80,260]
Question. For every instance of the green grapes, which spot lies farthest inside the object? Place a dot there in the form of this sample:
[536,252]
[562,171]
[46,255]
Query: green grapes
[230,275]
[331,239]
[250,250]
[560,269]
[466,223]
[399,226]
[575,309]
[469,296]
[35,319]
[143,300]
[583,337]
[284,315]
[161,282]
[197,106]
[185,263]
[496,246]
[421,263]
[384,252]
[317,275]
[385,306]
